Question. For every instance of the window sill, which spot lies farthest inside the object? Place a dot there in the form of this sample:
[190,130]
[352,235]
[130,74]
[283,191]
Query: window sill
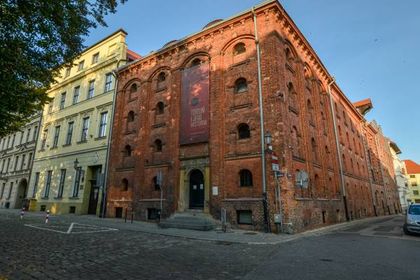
[58,198]
[100,138]
[160,89]
[53,148]
[66,145]
[81,142]
[74,198]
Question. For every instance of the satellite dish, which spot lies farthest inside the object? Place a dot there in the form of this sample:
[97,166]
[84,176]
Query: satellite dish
[302,179]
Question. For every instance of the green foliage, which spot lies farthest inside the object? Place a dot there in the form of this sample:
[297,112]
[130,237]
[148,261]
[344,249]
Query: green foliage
[37,39]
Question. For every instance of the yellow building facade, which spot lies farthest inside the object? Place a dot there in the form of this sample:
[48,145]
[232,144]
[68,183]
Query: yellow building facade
[413,174]
[71,152]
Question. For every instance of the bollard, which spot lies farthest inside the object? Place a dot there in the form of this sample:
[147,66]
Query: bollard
[22,213]
[47,216]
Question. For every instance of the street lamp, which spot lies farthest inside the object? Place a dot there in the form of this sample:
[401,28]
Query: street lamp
[268,138]
[76,164]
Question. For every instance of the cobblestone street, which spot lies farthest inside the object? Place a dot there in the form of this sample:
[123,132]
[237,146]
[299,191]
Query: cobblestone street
[86,247]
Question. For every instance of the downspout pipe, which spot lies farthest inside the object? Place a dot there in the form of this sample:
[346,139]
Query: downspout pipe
[337,143]
[262,131]
[108,151]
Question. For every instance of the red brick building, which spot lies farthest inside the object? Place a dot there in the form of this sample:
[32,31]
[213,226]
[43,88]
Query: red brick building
[187,119]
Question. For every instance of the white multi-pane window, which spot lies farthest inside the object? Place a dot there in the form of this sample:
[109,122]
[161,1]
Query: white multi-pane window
[91,89]
[103,124]
[61,184]
[85,129]
[81,65]
[47,184]
[76,94]
[36,182]
[95,58]
[62,100]
[44,139]
[77,182]
[56,136]
[69,133]
[108,82]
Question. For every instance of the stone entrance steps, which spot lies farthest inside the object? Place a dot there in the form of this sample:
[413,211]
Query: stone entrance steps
[194,220]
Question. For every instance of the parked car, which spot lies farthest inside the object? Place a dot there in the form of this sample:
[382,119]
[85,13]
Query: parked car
[412,220]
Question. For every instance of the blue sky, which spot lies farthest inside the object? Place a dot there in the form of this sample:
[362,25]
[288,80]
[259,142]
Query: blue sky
[371,47]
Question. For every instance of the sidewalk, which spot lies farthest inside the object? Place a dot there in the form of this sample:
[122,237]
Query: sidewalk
[232,236]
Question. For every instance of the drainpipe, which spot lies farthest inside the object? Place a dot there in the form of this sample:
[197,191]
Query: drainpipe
[108,151]
[260,100]
[337,143]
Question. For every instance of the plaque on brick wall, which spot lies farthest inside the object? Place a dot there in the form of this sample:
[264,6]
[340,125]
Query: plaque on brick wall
[195,105]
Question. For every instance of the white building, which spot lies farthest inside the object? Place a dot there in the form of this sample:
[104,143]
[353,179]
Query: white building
[400,175]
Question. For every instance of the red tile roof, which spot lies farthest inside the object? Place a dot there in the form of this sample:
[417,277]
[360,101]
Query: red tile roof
[412,167]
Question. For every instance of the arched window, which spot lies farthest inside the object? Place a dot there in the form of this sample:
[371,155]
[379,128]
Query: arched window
[130,116]
[239,48]
[241,85]
[295,141]
[158,145]
[245,178]
[314,149]
[317,184]
[161,81]
[292,95]
[127,151]
[195,62]
[133,88]
[310,111]
[160,108]
[344,162]
[124,184]
[348,140]
[243,131]
[289,55]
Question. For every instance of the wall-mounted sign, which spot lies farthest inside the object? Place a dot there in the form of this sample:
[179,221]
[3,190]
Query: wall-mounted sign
[215,190]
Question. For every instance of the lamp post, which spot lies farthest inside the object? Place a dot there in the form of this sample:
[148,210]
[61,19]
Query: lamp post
[76,164]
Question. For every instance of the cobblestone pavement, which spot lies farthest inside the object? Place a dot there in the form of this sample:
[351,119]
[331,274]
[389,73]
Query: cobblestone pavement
[83,247]
[33,253]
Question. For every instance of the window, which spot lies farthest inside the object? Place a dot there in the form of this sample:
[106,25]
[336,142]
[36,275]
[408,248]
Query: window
[124,183]
[61,184]
[68,70]
[415,192]
[81,65]
[244,217]
[44,139]
[69,133]
[245,178]
[56,136]
[243,131]
[16,163]
[27,134]
[161,81]
[239,48]
[314,149]
[155,183]
[76,95]
[62,100]
[127,151]
[158,145]
[414,184]
[241,85]
[10,190]
[195,62]
[91,89]
[95,58]
[35,132]
[2,190]
[412,176]
[29,160]
[85,129]
[160,108]
[22,163]
[108,82]
[47,184]
[130,116]
[50,106]
[77,182]
[102,124]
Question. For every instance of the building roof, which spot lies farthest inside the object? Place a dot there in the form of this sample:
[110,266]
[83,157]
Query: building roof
[412,166]
[364,106]
[394,146]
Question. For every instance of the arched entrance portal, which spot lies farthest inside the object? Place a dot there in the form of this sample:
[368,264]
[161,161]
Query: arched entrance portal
[21,194]
[196,189]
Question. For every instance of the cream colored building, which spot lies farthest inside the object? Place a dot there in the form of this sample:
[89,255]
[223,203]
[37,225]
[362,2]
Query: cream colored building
[400,175]
[413,174]
[16,158]
[72,148]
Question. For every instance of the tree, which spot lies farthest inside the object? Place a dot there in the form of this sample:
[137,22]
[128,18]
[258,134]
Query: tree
[37,39]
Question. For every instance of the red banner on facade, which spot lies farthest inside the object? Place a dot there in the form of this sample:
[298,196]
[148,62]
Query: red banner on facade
[195,105]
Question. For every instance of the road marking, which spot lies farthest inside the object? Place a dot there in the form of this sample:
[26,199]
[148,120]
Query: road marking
[82,227]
